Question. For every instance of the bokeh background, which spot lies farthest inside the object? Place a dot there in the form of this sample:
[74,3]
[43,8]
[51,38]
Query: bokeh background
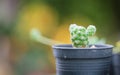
[20,55]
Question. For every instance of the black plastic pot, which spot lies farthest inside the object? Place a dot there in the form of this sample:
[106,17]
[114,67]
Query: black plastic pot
[82,61]
[115,68]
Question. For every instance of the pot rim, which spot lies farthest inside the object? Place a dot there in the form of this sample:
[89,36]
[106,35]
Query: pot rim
[69,46]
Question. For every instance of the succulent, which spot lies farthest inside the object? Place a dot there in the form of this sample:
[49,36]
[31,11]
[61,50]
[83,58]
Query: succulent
[79,35]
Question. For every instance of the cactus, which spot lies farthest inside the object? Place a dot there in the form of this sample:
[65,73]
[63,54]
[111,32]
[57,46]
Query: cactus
[79,35]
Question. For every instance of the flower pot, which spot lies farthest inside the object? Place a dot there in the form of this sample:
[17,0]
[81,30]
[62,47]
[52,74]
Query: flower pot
[115,69]
[82,61]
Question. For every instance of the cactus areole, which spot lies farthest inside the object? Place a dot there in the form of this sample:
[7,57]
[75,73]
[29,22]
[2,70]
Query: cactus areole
[79,35]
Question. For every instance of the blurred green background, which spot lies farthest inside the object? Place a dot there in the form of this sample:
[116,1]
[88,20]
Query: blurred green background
[20,55]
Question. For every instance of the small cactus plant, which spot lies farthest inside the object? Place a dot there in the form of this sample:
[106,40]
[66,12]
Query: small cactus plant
[79,35]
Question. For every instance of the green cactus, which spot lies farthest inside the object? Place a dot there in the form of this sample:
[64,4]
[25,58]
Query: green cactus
[79,35]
